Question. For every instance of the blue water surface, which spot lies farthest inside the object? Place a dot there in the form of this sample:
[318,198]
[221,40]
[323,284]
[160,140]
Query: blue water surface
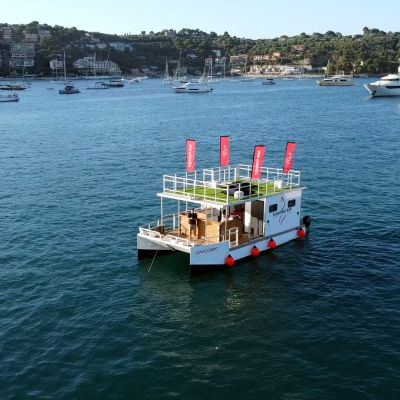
[81,318]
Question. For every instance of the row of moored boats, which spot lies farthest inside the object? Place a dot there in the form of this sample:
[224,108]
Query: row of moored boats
[388,85]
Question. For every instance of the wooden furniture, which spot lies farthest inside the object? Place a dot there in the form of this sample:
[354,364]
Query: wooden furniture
[215,229]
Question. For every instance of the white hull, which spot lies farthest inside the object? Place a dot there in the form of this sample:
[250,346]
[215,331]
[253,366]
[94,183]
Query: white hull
[192,87]
[193,90]
[280,221]
[335,83]
[8,99]
[213,255]
[382,90]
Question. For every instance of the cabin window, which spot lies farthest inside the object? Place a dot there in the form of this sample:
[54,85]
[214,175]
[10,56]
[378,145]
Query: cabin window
[291,203]
[273,208]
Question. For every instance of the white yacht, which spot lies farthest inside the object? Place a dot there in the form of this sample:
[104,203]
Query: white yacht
[192,87]
[336,80]
[5,98]
[389,85]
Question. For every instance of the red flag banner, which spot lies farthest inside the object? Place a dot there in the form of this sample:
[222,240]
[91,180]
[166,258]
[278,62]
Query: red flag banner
[288,162]
[258,158]
[190,155]
[224,151]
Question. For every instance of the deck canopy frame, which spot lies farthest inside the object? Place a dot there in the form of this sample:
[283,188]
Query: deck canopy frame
[225,186]
[222,187]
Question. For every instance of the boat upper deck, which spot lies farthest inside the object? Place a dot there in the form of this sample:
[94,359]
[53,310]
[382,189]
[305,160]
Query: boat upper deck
[229,185]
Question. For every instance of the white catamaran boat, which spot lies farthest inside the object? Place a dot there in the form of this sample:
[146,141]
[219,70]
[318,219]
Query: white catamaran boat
[193,87]
[235,217]
[336,80]
[389,85]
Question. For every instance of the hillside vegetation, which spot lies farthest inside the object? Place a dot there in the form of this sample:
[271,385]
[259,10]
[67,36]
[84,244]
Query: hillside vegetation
[372,51]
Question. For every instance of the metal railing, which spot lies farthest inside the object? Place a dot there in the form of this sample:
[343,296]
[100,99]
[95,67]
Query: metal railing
[233,232]
[167,223]
[232,236]
[177,240]
[219,185]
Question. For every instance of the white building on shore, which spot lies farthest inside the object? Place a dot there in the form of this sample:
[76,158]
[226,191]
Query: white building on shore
[89,65]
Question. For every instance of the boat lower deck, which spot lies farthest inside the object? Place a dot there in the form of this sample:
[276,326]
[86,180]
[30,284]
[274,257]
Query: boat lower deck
[241,238]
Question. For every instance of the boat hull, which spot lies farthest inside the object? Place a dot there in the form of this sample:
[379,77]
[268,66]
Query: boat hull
[270,82]
[211,257]
[184,90]
[12,88]
[68,91]
[325,83]
[8,99]
[382,90]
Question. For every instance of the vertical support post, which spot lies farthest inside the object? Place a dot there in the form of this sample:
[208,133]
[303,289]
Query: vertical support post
[206,228]
[226,224]
[179,216]
[161,217]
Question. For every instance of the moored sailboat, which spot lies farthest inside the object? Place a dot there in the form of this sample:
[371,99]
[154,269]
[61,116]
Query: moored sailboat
[69,88]
[335,80]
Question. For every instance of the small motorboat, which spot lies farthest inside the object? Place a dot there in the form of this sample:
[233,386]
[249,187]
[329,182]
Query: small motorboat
[116,82]
[99,85]
[268,81]
[69,89]
[8,98]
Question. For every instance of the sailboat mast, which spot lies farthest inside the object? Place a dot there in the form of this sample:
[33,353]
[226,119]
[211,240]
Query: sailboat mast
[166,69]
[65,68]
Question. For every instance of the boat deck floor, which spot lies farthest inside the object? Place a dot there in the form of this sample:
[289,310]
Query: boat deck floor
[242,239]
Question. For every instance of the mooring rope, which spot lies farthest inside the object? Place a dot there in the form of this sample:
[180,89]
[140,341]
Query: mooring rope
[155,255]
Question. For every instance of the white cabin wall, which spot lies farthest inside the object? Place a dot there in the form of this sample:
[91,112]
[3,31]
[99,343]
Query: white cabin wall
[284,218]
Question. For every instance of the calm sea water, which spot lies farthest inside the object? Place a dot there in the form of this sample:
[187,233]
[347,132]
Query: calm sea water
[81,318]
